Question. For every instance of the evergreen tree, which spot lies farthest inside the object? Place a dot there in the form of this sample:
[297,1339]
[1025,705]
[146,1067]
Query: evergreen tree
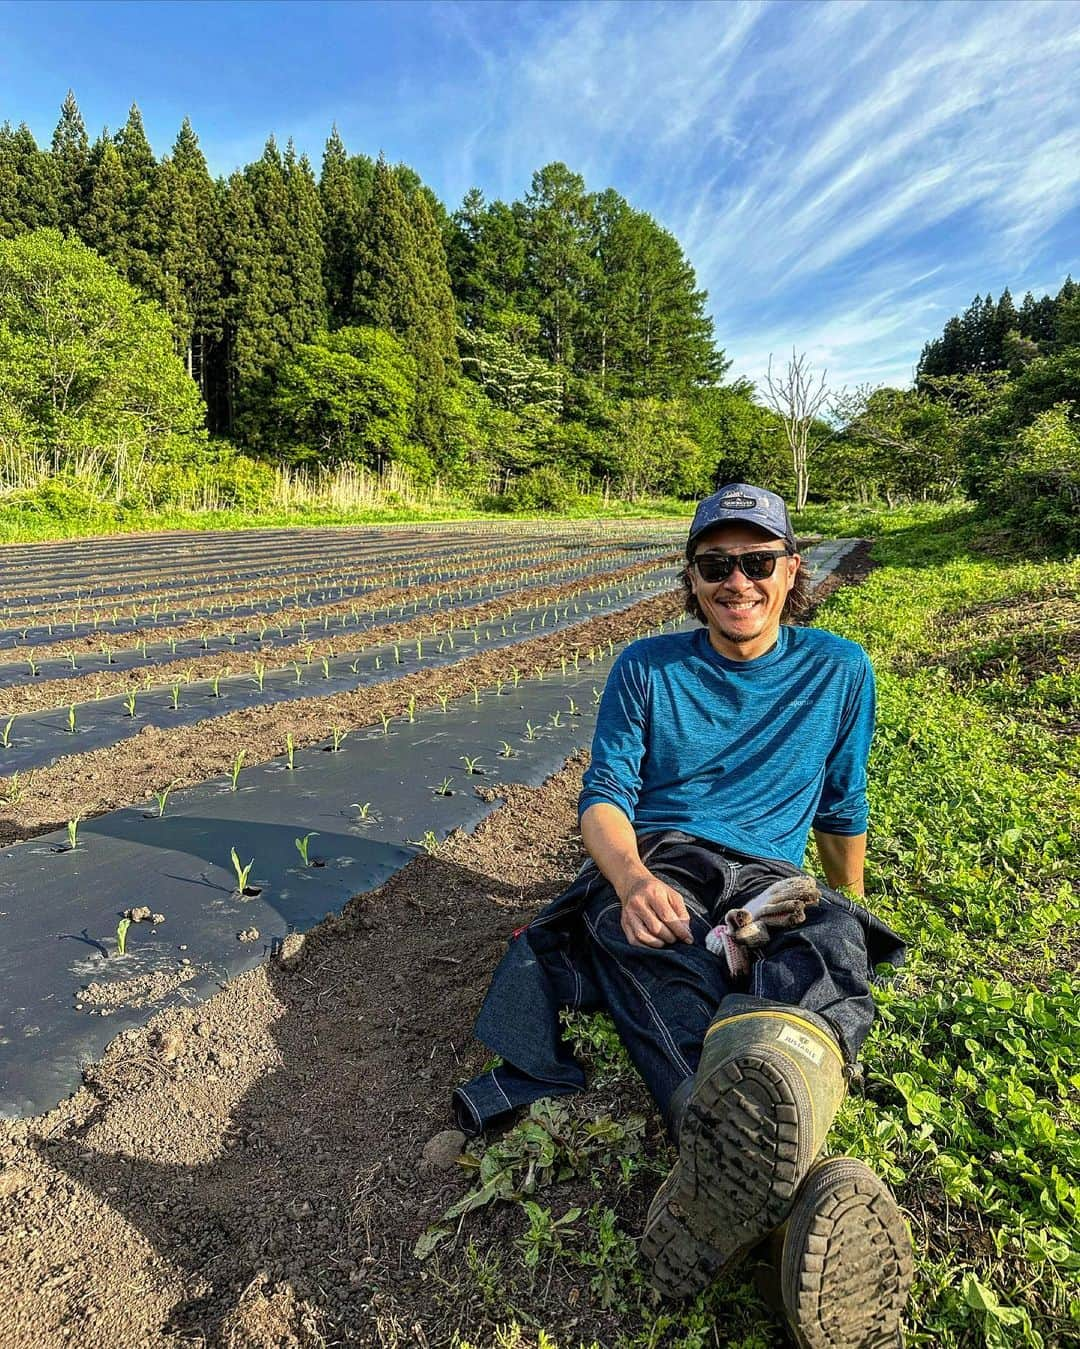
[28,187]
[1006,320]
[486,260]
[71,155]
[104,222]
[143,228]
[560,265]
[339,194]
[190,251]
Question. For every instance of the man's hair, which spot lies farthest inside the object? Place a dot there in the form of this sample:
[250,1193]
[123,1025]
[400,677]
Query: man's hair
[796,604]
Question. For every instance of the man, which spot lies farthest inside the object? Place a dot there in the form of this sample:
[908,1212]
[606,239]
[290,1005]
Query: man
[739,987]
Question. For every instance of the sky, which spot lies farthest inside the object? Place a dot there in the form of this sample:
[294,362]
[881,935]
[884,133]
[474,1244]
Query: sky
[843,176]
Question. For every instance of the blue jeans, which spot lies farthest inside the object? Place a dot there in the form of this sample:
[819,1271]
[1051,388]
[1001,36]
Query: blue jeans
[575,955]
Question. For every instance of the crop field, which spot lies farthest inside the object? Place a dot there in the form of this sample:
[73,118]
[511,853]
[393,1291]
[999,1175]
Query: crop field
[273,802]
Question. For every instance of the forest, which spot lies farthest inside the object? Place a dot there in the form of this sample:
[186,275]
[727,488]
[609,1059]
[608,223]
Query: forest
[169,338]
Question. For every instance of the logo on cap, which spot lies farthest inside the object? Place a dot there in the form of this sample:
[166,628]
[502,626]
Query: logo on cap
[735,501]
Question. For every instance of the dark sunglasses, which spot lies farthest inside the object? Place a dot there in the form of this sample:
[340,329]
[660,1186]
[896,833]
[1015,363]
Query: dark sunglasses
[754,566]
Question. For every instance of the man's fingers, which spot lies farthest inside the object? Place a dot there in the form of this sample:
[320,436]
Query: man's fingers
[637,934]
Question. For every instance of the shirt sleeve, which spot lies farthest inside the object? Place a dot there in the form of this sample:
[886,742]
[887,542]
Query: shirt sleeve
[842,806]
[618,746]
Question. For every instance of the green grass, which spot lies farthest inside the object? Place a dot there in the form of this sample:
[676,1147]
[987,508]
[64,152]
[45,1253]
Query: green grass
[971,1103]
[22,526]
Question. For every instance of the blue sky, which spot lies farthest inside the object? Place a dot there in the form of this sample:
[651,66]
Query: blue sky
[843,176]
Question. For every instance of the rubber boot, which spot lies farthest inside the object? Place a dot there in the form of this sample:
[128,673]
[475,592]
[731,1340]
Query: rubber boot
[844,1266]
[766,1091]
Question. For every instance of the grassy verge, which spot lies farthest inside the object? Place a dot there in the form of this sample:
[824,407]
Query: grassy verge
[971,1106]
[22,526]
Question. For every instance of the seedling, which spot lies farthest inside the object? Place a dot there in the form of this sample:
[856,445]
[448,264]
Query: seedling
[71,719]
[302,846]
[32,665]
[397,654]
[471,764]
[595,695]
[538,671]
[13,793]
[530,731]
[260,674]
[419,648]
[573,710]
[378,662]
[299,671]
[556,718]
[410,707]
[516,676]
[290,749]
[106,651]
[176,695]
[214,690]
[325,668]
[354,666]
[385,723]
[73,832]
[242,874]
[443,789]
[505,750]
[74,662]
[5,736]
[237,764]
[121,936]
[443,698]
[475,694]
[129,703]
[338,737]
[163,796]
[363,809]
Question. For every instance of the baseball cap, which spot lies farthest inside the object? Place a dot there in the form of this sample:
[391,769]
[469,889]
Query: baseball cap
[739,502]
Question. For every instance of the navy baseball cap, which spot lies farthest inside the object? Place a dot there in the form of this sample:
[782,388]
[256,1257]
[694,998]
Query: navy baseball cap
[742,504]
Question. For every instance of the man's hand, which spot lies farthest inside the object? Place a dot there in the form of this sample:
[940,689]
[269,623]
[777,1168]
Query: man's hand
[653,914]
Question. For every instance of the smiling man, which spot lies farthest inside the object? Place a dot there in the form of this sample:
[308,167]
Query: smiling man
[739,986]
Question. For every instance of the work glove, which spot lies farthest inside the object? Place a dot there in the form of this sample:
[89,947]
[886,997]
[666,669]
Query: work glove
[783,904]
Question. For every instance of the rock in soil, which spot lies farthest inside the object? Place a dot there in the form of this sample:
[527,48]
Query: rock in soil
[442,1151]
[292,951]
[248,934]
[140,915]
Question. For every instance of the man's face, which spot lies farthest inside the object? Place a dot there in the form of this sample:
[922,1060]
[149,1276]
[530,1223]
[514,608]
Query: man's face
[743,615]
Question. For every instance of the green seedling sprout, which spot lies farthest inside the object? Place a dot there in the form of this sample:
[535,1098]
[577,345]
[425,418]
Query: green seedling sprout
[73,832]
[419,648]
[215,692]
[237,764]
[595,695]
[289,749]
[516,676]
[71,719]
[5,737]
[121,936]
[385,723]
[32,665]
[475,694]
[260,674]
[410,708]
[363,809]
[505,750]
[556,718]
[573,710]
[163,796]
[74,662]
[338,736]
[378,662]
[129,703]
[443,698]
[302,846]
[354,666]
[242,873]
[325,668]
[176,695]
[471,763]
[443,789]
[397,654]
[299,671]
[530,731]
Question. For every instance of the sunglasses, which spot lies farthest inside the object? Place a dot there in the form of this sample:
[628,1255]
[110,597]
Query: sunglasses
[754,566]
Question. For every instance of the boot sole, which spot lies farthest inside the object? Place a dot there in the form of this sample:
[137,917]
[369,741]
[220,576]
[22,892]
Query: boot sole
[742,1157]
[846,1268]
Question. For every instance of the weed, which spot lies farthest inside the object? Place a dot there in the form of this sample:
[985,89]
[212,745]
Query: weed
[237,764]
[121,936]
[302,846]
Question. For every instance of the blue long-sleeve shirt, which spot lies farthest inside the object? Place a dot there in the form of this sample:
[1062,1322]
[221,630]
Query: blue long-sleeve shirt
[750,754]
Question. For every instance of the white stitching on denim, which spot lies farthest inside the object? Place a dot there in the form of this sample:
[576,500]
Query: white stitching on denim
[665,1034]
[576,978]
[502,1093]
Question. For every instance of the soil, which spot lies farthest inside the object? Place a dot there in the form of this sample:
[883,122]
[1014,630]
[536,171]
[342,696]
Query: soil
[250,1172]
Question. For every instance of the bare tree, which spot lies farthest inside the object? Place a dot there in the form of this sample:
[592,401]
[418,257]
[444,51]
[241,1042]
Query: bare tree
[800,399]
